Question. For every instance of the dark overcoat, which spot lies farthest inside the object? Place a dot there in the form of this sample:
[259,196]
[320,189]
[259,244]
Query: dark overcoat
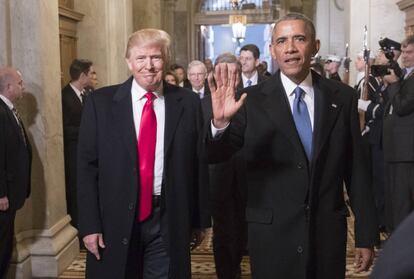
[296,211]
[108,180]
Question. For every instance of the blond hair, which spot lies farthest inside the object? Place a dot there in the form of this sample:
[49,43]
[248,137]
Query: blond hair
[150,36]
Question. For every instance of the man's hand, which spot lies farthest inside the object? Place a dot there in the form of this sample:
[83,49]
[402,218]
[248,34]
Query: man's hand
[363,259]
[223,92]
[92,241]
[4,203]
[197,237]
[391,78]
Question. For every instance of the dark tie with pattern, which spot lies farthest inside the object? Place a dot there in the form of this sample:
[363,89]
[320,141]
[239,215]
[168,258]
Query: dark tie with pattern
[146,156]
[20,124]
[248,83]
[302,121]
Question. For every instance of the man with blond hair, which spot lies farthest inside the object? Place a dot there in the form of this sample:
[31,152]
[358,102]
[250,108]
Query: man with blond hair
[142,178]
[15,161]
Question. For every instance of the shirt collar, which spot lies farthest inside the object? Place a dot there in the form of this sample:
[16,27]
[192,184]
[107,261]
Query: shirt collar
[253,78]
[306,85]
[201,91]
[138,92]
[409,70]
[7,101]
[77,91]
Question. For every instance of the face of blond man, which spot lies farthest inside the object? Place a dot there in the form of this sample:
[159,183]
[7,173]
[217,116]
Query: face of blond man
[147,66]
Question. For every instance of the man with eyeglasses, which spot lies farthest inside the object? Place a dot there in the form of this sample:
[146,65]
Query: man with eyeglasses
[197,74]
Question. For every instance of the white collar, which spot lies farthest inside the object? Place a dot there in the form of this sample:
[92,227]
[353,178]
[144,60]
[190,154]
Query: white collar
[253,78]
[306,85]
[77,91]
[201,91]
[138,92]
[7,101]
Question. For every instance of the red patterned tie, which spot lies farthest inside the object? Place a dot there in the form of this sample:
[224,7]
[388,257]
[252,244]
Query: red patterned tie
[146,156]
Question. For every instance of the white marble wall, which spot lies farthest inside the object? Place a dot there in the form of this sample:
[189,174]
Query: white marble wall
[103,35]
[45,242]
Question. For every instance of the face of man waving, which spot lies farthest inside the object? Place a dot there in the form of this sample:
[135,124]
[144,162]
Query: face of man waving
[146,63]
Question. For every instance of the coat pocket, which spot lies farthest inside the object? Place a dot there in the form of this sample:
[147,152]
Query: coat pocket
[259,215]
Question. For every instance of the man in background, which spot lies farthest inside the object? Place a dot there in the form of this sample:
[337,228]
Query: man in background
[249,59]
[332,64]
[197,74]
[73,98]
[15,161]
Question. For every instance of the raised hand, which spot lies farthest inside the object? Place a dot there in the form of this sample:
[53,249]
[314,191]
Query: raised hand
[224,104]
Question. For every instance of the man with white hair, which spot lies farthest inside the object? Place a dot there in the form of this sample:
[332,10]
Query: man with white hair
[197,74]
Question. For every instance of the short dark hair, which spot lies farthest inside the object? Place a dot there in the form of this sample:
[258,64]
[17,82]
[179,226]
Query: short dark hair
[78,67]
[253,49]
[408,41]
[297,16]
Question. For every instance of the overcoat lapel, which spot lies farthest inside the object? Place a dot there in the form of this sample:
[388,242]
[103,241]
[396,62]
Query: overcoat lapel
[327,108]
[173,112]
[123,118]
[277,106]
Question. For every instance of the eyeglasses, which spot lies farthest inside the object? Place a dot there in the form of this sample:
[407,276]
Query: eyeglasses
[196,74]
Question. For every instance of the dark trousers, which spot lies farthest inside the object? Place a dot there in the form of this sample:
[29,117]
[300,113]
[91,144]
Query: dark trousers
[71,150]
[229,235]
[399,192]
[148,258]
[6,240]
[378,177]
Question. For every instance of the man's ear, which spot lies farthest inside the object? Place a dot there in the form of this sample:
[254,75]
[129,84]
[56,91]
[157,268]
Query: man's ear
[317,46]
[257,62]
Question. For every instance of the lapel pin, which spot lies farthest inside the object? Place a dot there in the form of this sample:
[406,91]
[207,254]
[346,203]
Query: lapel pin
[334,105]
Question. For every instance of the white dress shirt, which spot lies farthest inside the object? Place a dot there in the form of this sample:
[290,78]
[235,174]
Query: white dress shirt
[138,101]
[200,92]
[11,106]
[253,79]
[77,91]
[307,86]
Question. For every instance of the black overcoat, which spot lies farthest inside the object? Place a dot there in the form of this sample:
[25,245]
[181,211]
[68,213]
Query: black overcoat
[108,177]
[296,211]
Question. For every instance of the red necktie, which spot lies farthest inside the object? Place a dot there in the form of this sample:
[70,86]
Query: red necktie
[146,156]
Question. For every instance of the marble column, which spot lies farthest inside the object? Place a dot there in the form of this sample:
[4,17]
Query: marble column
[45,241]
[103,35]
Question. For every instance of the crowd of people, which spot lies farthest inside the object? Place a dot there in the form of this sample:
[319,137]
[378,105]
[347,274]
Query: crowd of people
[262,158]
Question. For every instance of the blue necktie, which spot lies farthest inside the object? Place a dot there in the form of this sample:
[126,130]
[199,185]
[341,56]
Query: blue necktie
[249,83]
[302,121]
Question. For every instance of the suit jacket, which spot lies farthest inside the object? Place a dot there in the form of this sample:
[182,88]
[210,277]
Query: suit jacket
[108,177]
[295,211]
[15,160]
[72,113]
[395,260]
[399,126]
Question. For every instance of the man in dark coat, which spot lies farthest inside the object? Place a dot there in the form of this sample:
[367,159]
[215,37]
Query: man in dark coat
[301,141]
[399,141]
[137,212]
[15,161]
[227,203]
[73,95]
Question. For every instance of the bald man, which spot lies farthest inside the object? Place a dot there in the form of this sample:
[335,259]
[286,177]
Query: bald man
[15,161]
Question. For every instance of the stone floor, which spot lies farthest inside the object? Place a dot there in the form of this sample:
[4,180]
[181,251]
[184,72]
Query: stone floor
[202,262]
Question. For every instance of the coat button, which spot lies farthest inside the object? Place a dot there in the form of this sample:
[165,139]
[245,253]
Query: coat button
[299,165]
[131,206]
[125,241]
[300,249]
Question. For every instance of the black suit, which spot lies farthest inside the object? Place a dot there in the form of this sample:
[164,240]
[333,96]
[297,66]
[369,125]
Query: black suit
[395,260]
[72,113]
[15,166]
[108,183]
[399,152]
[295,211]
[227,203]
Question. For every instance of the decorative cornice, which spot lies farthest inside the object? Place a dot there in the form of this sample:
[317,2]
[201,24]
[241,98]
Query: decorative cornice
[71,14]
[405,4]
